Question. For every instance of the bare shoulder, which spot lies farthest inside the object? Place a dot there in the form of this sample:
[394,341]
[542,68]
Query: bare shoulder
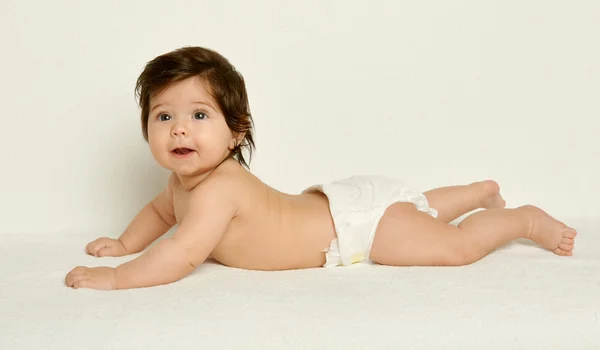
[224,186]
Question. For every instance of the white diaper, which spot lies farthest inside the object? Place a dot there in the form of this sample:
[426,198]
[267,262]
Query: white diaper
[357,204]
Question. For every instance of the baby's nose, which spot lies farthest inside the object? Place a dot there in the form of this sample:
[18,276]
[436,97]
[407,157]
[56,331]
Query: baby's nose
[179,130]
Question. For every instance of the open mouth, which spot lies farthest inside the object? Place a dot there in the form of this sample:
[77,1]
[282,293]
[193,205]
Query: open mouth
[182,151]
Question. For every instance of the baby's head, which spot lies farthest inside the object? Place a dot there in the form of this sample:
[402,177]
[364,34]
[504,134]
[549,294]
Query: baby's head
[194,110]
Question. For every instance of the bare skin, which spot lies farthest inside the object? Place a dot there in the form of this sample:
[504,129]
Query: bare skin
[439,244]
[454,201]
[226,213]
[271,230]
[277,231]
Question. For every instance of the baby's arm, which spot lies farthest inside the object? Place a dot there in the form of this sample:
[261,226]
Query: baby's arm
[212,205]
[148,225]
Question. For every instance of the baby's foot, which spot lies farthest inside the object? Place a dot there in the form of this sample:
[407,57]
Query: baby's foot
[489,194]
[550,233]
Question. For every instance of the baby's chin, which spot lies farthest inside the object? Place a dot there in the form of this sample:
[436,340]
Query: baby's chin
[179,169]
[190,171]
[187,172]
[195,167]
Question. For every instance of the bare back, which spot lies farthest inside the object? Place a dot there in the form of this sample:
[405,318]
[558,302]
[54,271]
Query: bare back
[271,230]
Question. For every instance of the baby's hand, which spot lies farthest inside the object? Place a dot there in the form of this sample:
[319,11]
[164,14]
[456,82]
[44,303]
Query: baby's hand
[105,246]
[93,278]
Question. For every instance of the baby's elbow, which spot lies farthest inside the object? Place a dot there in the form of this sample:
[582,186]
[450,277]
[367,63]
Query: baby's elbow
[194,261]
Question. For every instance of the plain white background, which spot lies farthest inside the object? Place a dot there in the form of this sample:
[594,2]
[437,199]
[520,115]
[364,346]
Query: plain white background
[432,92]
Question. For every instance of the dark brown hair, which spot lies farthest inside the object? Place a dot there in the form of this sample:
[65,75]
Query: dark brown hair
[225,84]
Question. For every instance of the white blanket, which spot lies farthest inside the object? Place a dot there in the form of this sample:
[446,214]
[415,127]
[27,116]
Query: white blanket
[519,297]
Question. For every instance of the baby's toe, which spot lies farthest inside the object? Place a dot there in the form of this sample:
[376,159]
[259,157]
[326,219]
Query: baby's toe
[565,247]
[569,233]
[567,240]
[561,252]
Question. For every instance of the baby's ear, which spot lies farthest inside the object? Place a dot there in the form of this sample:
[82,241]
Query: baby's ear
[236,140]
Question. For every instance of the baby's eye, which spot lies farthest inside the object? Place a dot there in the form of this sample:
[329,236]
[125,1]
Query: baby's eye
[200,115]
[164,117]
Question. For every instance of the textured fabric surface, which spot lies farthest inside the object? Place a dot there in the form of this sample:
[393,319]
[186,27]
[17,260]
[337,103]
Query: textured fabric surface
[519,297]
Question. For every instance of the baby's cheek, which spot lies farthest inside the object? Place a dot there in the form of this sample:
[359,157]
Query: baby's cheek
[159,153]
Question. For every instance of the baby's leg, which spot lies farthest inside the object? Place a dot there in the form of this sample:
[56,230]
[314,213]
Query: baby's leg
[408,237]
[454,201]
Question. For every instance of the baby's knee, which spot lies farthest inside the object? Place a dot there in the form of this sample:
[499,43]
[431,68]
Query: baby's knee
[460,254]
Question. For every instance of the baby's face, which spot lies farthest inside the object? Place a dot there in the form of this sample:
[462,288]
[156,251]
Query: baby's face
[187,132]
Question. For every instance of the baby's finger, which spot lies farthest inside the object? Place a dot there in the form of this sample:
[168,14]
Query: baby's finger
[78,270]
[94,249]
[76,274]
[81,284]
[91,247]
[99,244]
[79,278]
[106,251]
[69,278]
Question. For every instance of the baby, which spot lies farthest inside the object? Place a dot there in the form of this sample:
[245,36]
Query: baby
[196,120]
